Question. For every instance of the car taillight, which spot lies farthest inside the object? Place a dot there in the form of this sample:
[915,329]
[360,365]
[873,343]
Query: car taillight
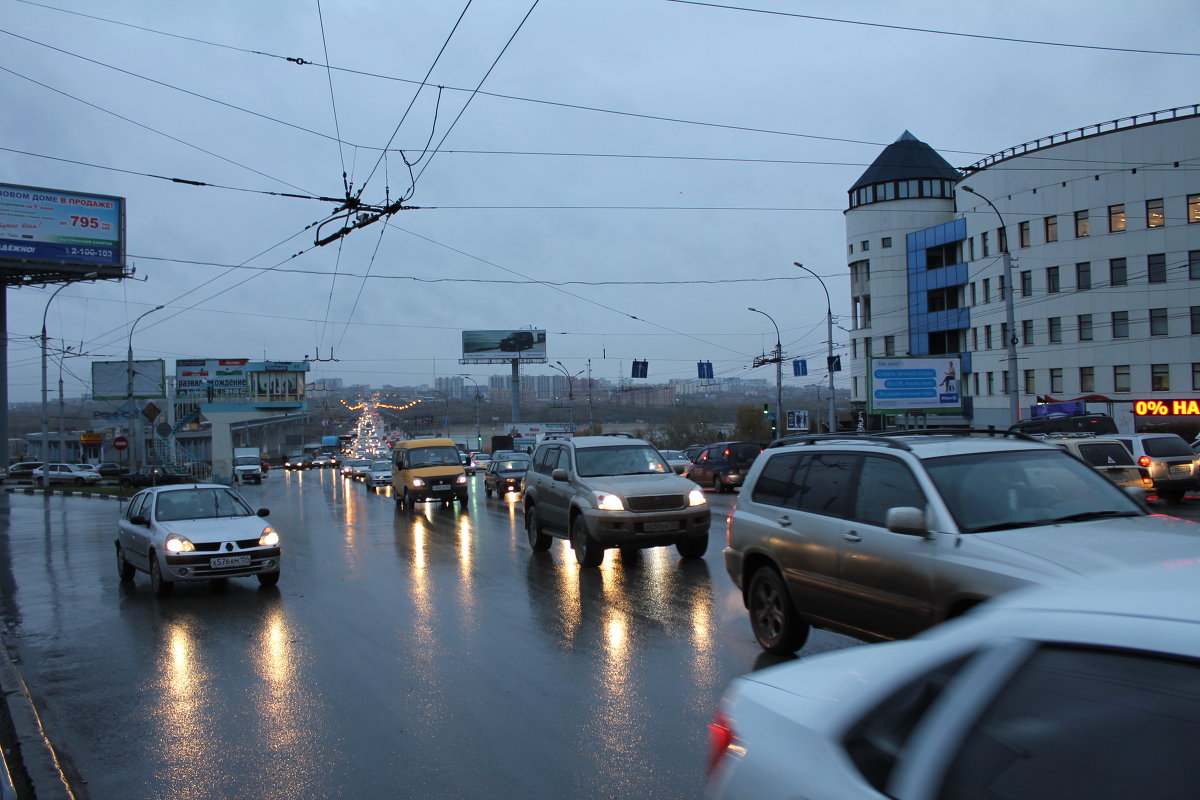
[720,737]
[1144,461]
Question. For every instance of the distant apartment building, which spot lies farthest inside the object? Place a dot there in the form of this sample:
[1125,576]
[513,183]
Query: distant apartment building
[1102,225]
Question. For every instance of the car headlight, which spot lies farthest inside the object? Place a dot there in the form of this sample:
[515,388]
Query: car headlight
[461,479]
[418,482]
[178,544]
[269,537]
[696,498]
[609,502]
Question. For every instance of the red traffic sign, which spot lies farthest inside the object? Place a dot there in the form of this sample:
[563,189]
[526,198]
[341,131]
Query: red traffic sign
[120,443]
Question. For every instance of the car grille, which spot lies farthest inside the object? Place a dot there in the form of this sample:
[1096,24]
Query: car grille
[658,502]
[212,547]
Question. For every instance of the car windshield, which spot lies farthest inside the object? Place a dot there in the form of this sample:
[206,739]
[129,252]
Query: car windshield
[513,464]
[1024,488]
[640,459]
[381,466]
[199,504]
[433,456]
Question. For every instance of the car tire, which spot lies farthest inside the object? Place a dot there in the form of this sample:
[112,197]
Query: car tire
[161,586]
[78,481]
[539,540]
[588,552]
[408,500]
[1174,498]
[268,578]
[487,491]
[125,570]
[717,487]
[399,498]
[126,485]
[693,546]
[777,626]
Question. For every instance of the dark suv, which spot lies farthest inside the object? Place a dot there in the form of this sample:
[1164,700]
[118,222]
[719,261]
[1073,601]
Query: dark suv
[609,491]
[723,466]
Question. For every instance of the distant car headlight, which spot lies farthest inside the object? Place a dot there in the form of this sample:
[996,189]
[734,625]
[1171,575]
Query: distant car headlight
[609,502]
[269,537]
[461,479]
[178,544]
[696,498]
[418,482]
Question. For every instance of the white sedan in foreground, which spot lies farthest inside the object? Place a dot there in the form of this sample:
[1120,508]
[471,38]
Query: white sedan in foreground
[1089,690]
[195,532]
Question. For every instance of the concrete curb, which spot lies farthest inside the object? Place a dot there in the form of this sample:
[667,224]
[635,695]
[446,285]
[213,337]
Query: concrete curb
[64,492]
[35,762]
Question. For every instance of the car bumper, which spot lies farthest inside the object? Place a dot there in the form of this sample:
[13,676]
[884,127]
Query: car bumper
[200,566]
[423,493]
[649,529]
[733,565]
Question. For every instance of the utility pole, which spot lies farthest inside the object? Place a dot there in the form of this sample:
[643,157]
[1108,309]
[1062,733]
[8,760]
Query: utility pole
[778,359]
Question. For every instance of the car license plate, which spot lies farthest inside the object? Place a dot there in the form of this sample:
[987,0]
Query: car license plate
[658,527]
[441,488]
[229,561]
[1181,469]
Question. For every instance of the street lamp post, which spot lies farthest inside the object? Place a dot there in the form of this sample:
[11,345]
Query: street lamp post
[558,365]
[478,430]
[45,412]
[778,374]
[135,427]
[829,344]
[1014,391]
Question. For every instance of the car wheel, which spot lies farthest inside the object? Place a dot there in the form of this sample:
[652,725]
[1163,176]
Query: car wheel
[693,546]
[399,498]
[717,487]
[268,578]
[126,485]
[79,481]
[408,500]
[125,570]
[538,540]
[1172,497]
[588,552]
[161,586]
[487,491]
[777,626]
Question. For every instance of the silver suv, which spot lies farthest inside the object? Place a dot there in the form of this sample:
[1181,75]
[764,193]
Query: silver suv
[882,536]
[606,491]
[1172,463]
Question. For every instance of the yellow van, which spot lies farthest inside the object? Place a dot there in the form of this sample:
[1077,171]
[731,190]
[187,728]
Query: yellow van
[427,469]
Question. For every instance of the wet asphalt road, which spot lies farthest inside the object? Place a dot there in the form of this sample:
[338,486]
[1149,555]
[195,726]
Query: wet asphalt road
[402,655]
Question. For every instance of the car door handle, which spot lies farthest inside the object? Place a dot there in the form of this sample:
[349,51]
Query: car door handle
[785,521]
[851,536]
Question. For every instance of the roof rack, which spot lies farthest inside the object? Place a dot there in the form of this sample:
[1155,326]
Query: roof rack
[889,437]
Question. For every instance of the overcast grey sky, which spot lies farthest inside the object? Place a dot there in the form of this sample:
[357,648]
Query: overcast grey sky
[631,176]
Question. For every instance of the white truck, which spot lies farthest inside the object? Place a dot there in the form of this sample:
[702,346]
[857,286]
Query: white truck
[247,465]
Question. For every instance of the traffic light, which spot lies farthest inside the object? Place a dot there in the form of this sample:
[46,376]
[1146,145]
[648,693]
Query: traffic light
[766,410]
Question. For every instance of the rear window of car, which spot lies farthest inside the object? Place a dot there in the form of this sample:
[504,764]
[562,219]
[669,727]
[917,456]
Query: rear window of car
[1105,454]
[744,453]
[1164,446]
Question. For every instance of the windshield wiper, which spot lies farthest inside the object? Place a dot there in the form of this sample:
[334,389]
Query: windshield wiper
[1004,526]
[1086,515]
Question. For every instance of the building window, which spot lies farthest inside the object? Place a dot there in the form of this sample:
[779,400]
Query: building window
[987,337]
[974,300]
[1051,227]
[1195,319]
[1054,327]
[1195,377]
[851,249]
[886,242]
[1116,272]
[1004,382]
[1085,327]
[1116,218]
[987,290]
[1083,276]
[975,381]
[1027,332]
[1023,233]
[1082,226]
[1000,289]
[971,249]
[889,346]
[1120,324]
[983,244]
[854,348]
[1156,268]
[991,384]
[1087,380]
[1160,377]
[1003,335]
[1155,217]
[1030,385]
[1027,283]
[867,347]
[1052,282]
[864,245]
[1194,265]
[1121,378]
[1002,241]
[1056,380]
[1158,322]
[974,338]
[1193,208]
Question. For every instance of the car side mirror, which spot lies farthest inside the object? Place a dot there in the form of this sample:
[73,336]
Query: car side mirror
[262,512]
[560,474]
[906,519]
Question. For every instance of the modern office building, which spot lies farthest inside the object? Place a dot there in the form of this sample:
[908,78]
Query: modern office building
[1102,226]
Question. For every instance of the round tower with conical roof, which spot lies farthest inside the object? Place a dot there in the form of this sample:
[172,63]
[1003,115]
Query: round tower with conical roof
[909,187]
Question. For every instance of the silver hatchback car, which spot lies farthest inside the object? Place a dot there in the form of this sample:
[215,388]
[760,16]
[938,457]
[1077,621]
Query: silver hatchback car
[881,537]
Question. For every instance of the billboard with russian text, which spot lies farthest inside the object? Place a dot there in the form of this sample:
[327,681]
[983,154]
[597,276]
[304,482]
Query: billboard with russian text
[205,377]
[58,228]
[900,385]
